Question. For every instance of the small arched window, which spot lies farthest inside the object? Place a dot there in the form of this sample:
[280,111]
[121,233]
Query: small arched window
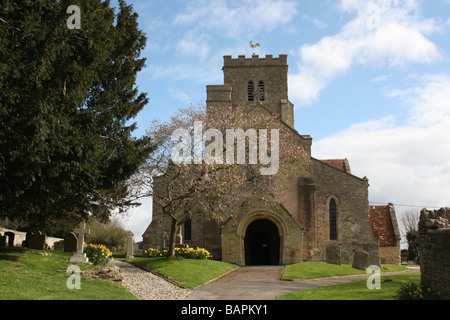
[333,219]
[262,95]
[251,91]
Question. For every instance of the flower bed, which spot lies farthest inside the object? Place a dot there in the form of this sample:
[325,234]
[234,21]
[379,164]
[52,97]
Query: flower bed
[187,253]
[412,291]
[98,254]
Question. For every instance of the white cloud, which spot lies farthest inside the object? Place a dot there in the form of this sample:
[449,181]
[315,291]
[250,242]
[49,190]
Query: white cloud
[319,24]
[206,22]
[138,219]
[180,95]
[203,30]
[232,17]
[432,102]
[383,33]
[382,78]
[193,47]
[406,164]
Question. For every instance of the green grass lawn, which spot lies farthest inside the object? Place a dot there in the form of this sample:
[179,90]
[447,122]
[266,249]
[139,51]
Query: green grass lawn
[27,274]
[315,270]
[356,290]
[189,273]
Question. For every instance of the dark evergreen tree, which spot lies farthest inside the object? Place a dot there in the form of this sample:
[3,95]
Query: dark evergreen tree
[67,100]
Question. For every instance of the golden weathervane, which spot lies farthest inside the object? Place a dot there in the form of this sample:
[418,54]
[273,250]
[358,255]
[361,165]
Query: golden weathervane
[253,46]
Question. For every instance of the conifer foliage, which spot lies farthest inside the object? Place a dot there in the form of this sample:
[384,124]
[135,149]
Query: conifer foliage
[67,100]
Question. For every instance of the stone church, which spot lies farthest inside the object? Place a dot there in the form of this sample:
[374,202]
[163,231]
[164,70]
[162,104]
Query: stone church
[323,205]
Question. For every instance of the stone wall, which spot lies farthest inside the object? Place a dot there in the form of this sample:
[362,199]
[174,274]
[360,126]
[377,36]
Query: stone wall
[354,230]
[434,246]
[390,254]
[19,237]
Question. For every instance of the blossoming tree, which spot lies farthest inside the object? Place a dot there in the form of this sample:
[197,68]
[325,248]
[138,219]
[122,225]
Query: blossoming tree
[198,168]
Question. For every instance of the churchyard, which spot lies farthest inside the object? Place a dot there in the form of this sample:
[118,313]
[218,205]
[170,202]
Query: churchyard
[31,274]
[34,267]
[45,268]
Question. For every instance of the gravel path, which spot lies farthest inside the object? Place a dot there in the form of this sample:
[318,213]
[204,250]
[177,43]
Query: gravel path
[147,286]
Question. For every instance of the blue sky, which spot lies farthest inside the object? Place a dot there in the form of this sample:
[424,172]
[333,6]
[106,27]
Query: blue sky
[370,80]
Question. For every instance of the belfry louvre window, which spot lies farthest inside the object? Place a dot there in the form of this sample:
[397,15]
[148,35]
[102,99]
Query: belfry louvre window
[262,96]
[251,91]
[333,214]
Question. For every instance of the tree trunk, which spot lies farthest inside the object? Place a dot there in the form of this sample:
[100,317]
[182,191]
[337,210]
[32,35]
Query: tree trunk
[173,237]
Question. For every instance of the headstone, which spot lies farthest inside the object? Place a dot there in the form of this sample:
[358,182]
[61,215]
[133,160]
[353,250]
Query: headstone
[25,242]
[11,236]
[315,255]
[374,259]
[129,249]
[164,237]
[79,256]
[36,240]
[2,241]
[345,257]
[70,242]
[360,260]
[333,254]
[58,245]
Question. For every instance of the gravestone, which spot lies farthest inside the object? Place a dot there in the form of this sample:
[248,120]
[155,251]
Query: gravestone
[36,240]
[164,237]
[129,249]
[11,236]
[70,242]
[345,257]
[2,241]
[79,256]
[360,260]
[333,254]
[374,259]
[58,245]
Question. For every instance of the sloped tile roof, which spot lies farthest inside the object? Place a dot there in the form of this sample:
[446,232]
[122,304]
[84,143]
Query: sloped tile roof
[341,164]
[380,218]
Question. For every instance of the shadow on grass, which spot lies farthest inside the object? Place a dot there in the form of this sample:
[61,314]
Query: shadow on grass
[6,253]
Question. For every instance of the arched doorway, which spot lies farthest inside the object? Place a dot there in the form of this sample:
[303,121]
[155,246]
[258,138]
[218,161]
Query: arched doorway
[262,243]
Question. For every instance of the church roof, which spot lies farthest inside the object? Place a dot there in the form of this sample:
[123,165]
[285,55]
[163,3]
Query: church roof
[384,222]
[341,164]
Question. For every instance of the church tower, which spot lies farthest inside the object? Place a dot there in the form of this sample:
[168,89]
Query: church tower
[253,82]
[320,212]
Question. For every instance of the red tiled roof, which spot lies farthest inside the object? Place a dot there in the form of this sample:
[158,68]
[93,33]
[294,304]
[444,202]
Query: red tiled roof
[337,163]
[380,218]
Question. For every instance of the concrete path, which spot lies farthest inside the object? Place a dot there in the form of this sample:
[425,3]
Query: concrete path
[263,283]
